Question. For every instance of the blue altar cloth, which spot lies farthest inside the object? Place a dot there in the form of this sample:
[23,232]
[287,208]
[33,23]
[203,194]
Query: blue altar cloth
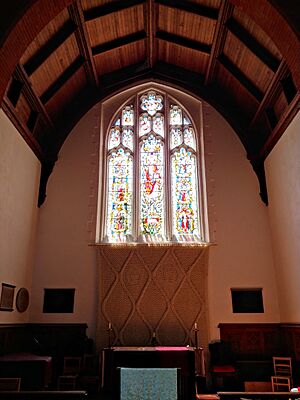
[148,384]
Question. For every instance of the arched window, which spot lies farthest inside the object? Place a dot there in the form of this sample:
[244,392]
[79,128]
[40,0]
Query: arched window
[153,186]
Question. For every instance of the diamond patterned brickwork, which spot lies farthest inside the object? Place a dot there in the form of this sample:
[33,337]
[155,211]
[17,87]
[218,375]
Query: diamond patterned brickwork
[144,289]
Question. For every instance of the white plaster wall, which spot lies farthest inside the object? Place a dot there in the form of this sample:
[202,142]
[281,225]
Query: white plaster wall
[64,256]
[283,182]
[19,183]
[242,256]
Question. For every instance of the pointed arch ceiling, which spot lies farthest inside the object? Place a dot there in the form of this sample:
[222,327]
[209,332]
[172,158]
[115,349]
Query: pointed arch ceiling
[59,58]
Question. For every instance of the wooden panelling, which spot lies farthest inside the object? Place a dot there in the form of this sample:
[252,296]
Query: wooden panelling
[120,57]
[231,85]
[120,24]
[255,70]
[280,105]
[23,109]
[45,36]
[68,92]
[184,57]
[56,64]
[186,24]
[256,32]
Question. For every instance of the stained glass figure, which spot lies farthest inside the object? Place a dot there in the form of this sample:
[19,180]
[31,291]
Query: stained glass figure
[189,137]
[127,138]
[175,137]
[158,124]
[145,124]
[127,116]
[151,102]
[175,115]
[151,196]
[114,137]
[186,120]
[184,193]
[120,185]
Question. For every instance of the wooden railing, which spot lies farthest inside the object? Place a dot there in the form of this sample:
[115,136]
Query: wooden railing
[44,395]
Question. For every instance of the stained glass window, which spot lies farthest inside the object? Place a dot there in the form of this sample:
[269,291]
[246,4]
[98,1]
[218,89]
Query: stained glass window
[152,172]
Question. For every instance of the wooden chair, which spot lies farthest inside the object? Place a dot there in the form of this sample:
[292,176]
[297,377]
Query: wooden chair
[90,374]
[282,366]
[10,384]
[71,371]
[281,383]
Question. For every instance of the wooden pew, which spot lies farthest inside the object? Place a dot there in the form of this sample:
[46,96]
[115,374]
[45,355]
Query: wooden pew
[44,395]
[258,395]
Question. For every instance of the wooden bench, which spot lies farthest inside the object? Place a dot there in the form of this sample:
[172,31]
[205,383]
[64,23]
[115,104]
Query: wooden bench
[258,395]
[44,395]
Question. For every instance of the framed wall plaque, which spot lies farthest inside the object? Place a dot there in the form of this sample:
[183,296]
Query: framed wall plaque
[22,299]
[7,297]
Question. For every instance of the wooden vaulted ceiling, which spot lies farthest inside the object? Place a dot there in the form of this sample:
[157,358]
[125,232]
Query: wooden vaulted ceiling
[59,57]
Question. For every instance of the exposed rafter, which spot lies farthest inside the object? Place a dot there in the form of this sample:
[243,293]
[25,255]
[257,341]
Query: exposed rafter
[150,16]
[67,74]
[269,94]
[31,97]
[101,11]
[52,44]
[76,14]
[182,41]
[252,44]
[191,7]
[225,13]
[123,41]
[242,78]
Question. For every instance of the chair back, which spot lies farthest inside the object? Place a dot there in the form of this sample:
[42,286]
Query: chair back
[282,366]
[10,384]
[72,365]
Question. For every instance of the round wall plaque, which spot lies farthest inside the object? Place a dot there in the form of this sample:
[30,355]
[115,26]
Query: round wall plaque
[22,300]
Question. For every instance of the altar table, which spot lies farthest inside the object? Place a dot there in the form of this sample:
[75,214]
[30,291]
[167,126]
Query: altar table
[182,358]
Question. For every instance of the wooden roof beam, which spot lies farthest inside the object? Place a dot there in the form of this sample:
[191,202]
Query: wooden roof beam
[243,79]
[191,7]
[53,43]
[123,41]
[252,44]
[150,15]
[224,14]
[101,11]
[182,41]
[83,42]
[271,91]
[31,97]
[66,75]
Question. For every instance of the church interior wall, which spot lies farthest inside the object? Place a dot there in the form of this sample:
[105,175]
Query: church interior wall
[282,172]
[19,183]
[241,256]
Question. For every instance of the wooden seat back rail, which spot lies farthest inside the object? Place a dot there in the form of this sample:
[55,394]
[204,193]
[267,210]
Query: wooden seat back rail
[258,395]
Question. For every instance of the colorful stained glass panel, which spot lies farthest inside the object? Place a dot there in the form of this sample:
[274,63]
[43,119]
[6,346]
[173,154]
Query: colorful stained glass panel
[151,196]
[184,193]
[175,115]
[175,137]
[120,185]
[114,137]
[189,137]
[151,102]
[127,116]
[158,124]
[127,138]
[145,124]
